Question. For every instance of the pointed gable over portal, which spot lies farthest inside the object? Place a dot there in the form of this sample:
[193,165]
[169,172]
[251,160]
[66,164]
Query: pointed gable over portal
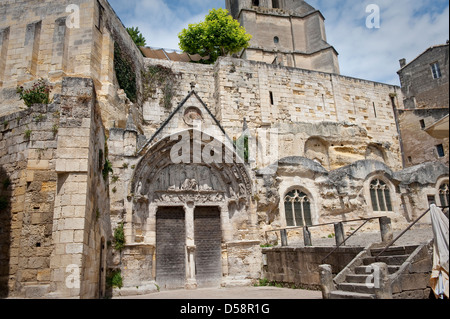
[191,113]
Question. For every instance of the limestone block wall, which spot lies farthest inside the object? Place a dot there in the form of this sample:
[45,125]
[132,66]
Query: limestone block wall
[55,208]
[352,119]
[268,95]
[81,218]
[28,142]
[38,43]
[300,266]
[68,38]
[419,147]
[419,87]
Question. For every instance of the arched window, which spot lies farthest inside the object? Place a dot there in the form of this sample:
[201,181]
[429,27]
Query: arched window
[380,196]
[444,194]
[297,208]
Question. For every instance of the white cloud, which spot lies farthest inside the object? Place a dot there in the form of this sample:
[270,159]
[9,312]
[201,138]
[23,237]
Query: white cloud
[408,28]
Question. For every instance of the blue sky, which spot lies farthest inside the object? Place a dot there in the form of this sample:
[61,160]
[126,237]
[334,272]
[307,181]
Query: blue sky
[407,28]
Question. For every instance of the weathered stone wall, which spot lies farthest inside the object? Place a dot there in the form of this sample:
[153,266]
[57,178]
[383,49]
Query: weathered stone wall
[68,38]
[419,87]
[300,266]
[353,118]
[81,218]
[28,142]
[39,44]
[57,208]
[418,146]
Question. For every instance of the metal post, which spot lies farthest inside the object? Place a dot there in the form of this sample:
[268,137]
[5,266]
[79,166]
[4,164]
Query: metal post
[307,237]
[387,233]
[339,232]
[284,239]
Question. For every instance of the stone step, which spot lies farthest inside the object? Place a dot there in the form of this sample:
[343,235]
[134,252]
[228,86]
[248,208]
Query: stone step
[358,279]
[394,260]
[355,287]
[367,270]
[350,295]
[396,250]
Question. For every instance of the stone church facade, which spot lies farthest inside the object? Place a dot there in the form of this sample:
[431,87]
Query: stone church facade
[193,162]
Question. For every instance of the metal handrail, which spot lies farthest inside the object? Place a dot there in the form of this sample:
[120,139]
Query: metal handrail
[403,232]
[326,224]
[366,220]
[343,243]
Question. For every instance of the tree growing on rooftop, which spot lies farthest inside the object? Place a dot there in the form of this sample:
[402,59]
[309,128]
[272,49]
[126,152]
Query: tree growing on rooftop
[219,35]
[137,36]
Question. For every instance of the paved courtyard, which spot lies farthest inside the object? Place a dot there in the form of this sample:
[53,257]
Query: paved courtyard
[233,293]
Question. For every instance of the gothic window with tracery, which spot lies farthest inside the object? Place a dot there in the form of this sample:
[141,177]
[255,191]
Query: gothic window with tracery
[380,196]
[444,195]
[297,209]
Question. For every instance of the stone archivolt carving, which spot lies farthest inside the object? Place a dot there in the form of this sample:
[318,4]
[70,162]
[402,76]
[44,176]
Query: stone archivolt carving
[157,178]
[181,196]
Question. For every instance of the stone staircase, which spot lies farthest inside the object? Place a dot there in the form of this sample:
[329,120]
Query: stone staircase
[356,281]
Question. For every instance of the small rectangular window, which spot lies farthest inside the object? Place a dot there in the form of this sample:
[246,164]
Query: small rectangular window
[436,70]
[99,23]
[431,200]
[422,124]
[271,97]
[440,150]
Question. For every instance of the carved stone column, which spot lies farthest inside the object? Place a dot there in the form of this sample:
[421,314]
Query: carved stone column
[227,234]
[191,282]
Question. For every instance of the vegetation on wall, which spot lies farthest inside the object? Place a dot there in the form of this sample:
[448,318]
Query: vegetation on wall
[119,238]
[39,93]
[158,76]
[218,35]
[114,279]
[125,74]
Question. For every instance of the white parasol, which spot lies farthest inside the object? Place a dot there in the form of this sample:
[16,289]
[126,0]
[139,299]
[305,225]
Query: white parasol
[439,275]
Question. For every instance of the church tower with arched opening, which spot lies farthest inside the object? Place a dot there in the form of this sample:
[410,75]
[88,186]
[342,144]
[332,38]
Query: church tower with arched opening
[285,32]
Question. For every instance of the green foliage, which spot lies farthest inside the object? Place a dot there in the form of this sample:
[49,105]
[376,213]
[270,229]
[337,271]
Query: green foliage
[39,93]
[119,237]
[266,282]
[218,35]
[137,36]
[27,134]
[263,282]
[114,280]
[107,168]
[158,76]
[125,73]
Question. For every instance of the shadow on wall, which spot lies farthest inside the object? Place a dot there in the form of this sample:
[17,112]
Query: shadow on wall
[5,231]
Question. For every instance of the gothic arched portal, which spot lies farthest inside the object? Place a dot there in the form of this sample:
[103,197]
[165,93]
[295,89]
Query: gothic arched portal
[203,183]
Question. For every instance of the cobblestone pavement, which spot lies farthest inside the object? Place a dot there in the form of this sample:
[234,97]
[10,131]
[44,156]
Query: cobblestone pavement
[255,293]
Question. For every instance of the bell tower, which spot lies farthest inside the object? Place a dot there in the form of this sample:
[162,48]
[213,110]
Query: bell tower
[285,32]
